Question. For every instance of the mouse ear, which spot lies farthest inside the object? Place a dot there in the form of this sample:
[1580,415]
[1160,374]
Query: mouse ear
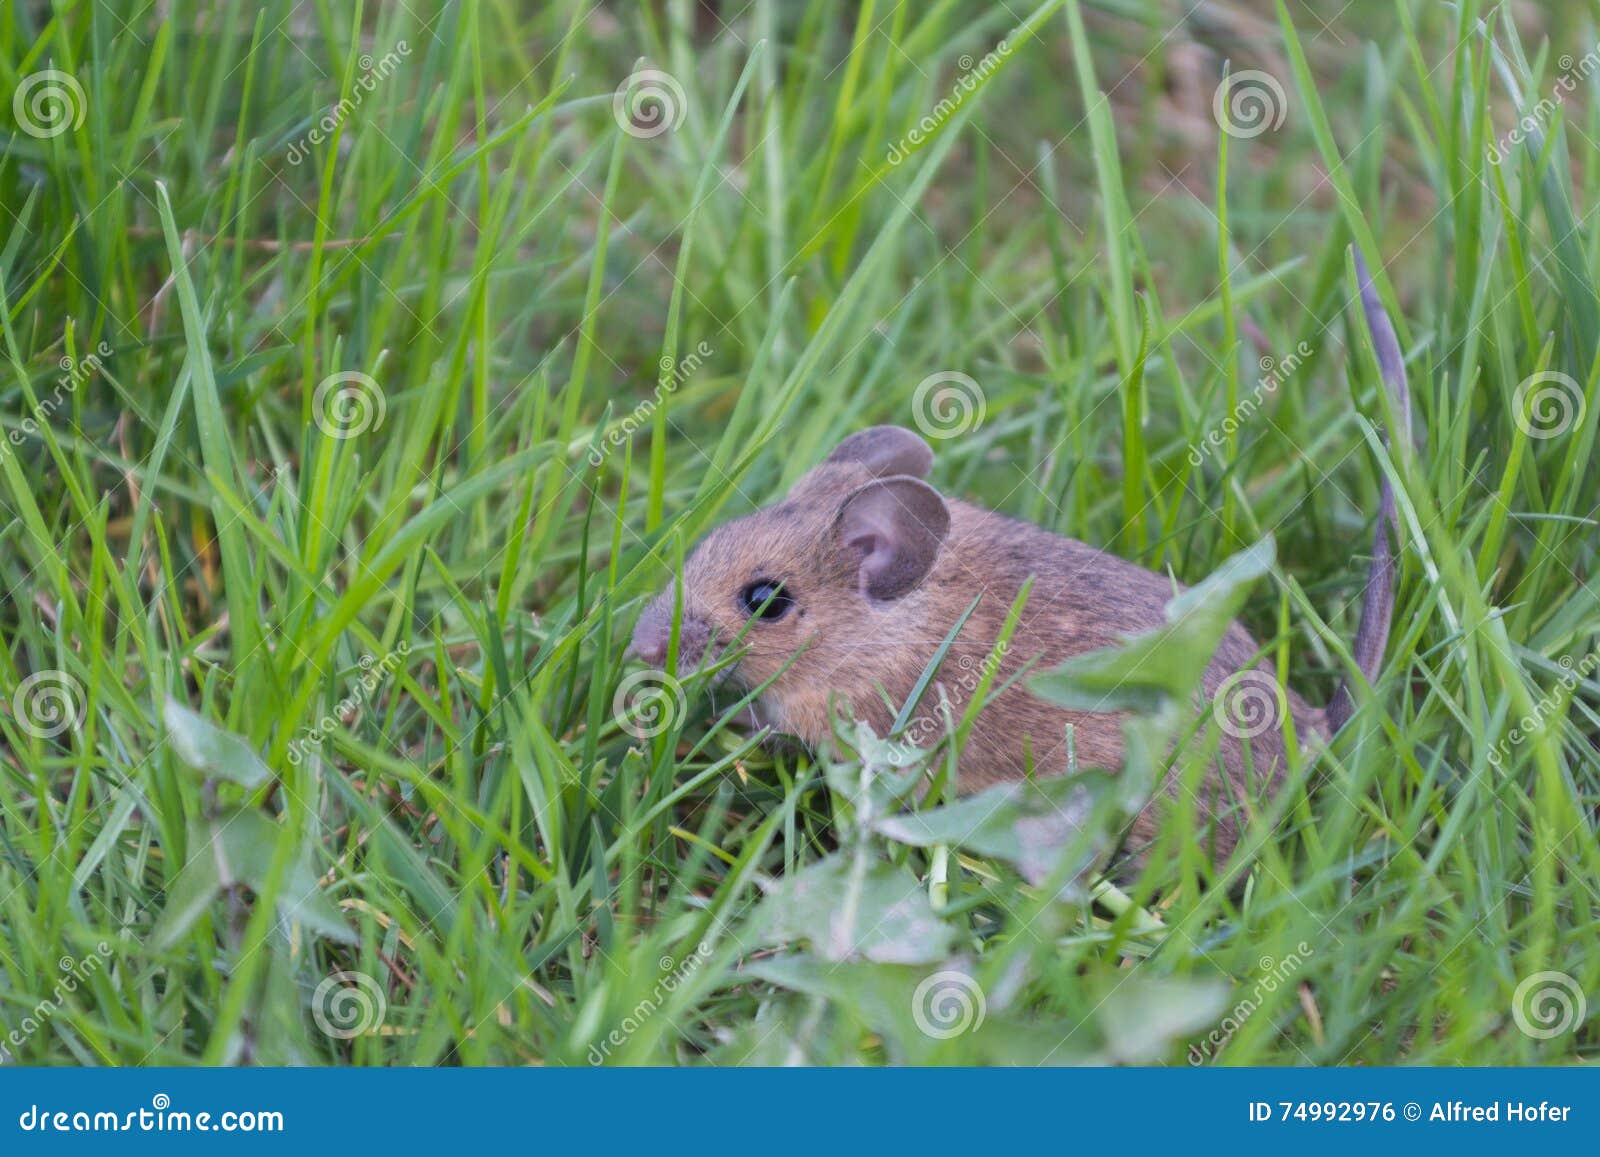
[895,526]
[886,450]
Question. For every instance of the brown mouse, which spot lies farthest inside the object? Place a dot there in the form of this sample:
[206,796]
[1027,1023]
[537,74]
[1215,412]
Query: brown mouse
[850,584]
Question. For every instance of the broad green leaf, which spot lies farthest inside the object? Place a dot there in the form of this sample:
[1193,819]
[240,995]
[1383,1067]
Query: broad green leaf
[244,842]
[926,1015]
[848,908]
[1163,666]
[237,848]
[1036,826]
[1142,1018]
[192,893]
[871,773]
[210,750]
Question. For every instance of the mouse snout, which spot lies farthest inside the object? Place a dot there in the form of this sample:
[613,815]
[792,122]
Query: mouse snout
[653,632]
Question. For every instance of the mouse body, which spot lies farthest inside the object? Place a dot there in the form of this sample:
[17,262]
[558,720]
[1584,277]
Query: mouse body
[852,583]
[840,595]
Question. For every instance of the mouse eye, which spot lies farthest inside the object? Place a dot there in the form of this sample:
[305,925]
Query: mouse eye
[767,599]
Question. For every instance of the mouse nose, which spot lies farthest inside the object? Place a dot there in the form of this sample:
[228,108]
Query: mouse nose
[649,643]
[650,649]
[653,633]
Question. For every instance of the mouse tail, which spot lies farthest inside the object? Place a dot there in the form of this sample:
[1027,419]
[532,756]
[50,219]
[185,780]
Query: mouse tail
[1377,606]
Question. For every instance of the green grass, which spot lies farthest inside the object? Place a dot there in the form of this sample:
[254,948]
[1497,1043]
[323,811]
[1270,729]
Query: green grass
[296,727]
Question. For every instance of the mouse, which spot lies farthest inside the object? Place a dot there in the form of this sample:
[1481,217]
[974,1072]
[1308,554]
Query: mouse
[838,596]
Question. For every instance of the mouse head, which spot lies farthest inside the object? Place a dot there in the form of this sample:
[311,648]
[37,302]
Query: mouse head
[814,582]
